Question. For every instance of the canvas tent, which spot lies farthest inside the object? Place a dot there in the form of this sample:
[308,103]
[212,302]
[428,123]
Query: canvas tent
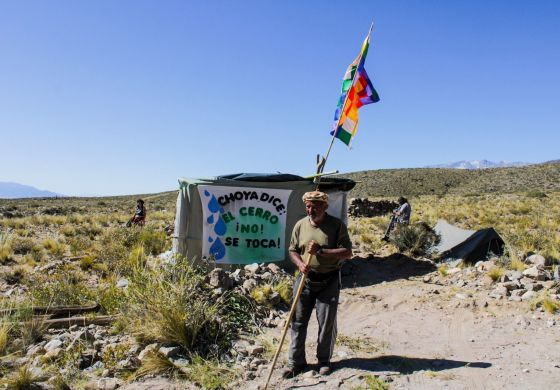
[246,218]
[467,245]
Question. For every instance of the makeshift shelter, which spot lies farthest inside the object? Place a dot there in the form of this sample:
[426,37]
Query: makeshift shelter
[246,218]
[467,245]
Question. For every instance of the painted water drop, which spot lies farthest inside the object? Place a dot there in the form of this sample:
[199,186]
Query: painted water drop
[206,193]
[220,227]
[213,205]
[210,239]
[210,219]
[218,250]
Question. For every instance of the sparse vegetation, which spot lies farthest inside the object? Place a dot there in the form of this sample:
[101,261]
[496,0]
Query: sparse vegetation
[495,273]
[24,378]
[543,300]
[416,239]
[79,241]
[372,382]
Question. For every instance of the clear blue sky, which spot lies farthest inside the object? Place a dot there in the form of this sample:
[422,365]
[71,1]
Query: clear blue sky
[124,97]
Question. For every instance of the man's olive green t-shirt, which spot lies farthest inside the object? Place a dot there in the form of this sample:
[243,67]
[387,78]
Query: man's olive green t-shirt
[330,234]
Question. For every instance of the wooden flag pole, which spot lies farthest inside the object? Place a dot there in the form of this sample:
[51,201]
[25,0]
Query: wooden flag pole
[288,320]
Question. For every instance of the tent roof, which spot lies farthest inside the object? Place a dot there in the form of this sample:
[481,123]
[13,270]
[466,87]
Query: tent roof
[467,245]
[451,236]
[326,183]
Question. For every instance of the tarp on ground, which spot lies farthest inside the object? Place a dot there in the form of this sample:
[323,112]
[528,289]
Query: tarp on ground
[467,245]
[246,218]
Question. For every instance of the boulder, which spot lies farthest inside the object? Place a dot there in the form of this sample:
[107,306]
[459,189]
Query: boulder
[538,260]
[218,278]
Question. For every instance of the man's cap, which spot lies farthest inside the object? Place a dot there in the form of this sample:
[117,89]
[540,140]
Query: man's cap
[315,196]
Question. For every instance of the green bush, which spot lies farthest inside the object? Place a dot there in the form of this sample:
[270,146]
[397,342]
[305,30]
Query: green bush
[416,239]
[65,287]
[154,241]
[536,194]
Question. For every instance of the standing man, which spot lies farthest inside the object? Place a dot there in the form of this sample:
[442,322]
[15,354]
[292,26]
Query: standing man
[326,239]
[401,215]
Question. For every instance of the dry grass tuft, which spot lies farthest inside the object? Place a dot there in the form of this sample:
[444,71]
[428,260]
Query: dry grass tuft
[496,273]
[24,378]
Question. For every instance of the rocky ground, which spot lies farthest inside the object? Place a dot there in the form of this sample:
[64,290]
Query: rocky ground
[401,320]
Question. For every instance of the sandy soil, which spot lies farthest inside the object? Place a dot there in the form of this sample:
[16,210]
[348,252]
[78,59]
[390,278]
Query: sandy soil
[418,335]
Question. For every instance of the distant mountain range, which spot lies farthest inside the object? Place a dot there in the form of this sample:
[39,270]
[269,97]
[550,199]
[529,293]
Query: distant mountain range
[480,164]
[9,190]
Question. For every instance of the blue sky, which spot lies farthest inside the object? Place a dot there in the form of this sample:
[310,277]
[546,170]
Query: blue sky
[124,97]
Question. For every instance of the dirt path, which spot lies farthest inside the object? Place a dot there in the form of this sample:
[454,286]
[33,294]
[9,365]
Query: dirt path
[417,335]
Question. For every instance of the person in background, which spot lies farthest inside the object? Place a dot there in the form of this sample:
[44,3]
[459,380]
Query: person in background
[139,217]
[326,239]
[401,216]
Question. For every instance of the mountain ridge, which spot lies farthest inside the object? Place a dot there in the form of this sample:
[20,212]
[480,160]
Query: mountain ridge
[12,190]
[440,181]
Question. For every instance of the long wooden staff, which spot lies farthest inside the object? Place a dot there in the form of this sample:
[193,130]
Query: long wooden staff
[288,320]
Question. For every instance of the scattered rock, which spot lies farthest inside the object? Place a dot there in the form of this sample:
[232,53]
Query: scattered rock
[538,260]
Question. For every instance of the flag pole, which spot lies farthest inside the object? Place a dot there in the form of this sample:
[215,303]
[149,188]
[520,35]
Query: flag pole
[344,104]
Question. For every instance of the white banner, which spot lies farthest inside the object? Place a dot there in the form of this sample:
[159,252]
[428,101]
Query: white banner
[243,225]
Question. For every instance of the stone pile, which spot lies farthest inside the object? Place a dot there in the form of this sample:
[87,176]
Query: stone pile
[512,285]
[363,207]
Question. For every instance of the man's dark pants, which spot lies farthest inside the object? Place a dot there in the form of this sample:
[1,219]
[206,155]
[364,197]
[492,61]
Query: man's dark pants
[323,295]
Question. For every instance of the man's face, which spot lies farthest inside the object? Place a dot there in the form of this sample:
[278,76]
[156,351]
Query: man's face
[316,210]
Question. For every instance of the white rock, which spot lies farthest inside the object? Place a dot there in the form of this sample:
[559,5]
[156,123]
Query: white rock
[122,283]
[53,344]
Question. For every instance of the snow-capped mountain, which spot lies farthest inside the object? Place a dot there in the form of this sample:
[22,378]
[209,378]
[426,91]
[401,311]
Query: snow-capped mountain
[479,164]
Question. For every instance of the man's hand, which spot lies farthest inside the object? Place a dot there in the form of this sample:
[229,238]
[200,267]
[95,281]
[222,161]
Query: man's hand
[313,247]
[304,269]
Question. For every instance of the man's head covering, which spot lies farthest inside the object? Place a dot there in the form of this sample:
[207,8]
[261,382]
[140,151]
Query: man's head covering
[315,196]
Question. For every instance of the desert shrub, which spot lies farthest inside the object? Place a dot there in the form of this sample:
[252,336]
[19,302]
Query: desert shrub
[37,253]
[496,273]
[137,257]
[54,247]
[5,329]
[168,305]
[5,248]
[236,311]
[417,239]
[172,304]
[68,230]
[536,194]
[284,288]
[261,294]
[154,241]
[79,244]
[22,245]
[65,287]
[209,374]
[23,378]
[114,246]
[14,275]
[110,298]
[90,230]
[23,232]
[546,302]
[374,383]
[86,262]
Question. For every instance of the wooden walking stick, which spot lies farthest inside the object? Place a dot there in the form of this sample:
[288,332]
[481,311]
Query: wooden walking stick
[288,320]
